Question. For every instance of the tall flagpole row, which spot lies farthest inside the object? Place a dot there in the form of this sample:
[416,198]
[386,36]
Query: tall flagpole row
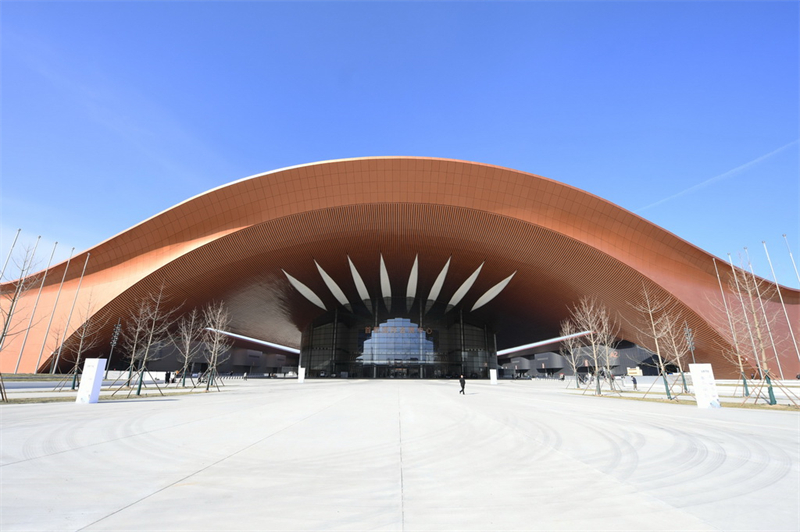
[746,319]
[733,329]
[52,315]
[26,268]
[780,296]
[764,313]
[35,304]
[71,310]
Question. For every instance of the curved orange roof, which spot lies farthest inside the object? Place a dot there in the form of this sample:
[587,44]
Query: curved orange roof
[232,243]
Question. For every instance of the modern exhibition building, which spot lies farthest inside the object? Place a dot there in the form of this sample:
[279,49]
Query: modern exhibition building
[395,267]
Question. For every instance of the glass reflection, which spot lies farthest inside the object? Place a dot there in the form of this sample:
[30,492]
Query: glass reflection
[397,340]
[419,343]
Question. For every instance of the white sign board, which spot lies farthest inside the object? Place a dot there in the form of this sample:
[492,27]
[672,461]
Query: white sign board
[705,388]
[493,376]
[301,374]
[91,380]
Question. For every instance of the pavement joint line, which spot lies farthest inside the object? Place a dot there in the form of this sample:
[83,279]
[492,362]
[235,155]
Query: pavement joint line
[637,467]
[134,503]
[400,438]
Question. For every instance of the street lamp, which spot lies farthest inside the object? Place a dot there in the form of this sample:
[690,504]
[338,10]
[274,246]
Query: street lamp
[114,338]
[687,332]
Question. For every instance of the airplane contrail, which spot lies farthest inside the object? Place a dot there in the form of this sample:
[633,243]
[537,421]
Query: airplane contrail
[720,177]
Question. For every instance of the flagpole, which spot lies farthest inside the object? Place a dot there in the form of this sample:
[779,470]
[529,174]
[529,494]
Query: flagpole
[26,265]
[10,251]
[33,312]
[780,296]
[733,329]
[791,257]
[764,312]
[71,310]
[52,314]
[746,320]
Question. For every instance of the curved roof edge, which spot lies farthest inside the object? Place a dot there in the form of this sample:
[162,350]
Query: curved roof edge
[210,192]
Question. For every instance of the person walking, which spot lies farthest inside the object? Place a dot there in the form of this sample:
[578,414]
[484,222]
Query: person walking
[463,383]
[635,389]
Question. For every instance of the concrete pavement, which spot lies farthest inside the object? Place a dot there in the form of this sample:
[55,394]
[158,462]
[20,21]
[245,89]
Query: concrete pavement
[396,455]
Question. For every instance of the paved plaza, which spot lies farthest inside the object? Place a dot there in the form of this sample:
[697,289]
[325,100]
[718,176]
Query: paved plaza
[397,455]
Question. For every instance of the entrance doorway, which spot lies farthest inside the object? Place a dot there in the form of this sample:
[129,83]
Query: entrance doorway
[398,371]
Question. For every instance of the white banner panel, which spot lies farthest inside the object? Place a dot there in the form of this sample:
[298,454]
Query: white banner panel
[493,376]
[91,380]
[301,374]
[705,388]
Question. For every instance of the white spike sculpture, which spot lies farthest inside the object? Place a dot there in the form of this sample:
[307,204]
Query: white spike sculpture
[332,286]
[360,286]
[306,291]
[464,288]
[492,292]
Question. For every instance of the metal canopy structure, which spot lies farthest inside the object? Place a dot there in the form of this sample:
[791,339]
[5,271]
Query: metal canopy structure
[519,249]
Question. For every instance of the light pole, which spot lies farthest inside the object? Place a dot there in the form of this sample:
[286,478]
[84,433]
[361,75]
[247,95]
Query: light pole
[687,332]
[114,338]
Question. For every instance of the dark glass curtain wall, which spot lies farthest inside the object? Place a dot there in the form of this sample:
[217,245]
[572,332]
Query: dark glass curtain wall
[398,339]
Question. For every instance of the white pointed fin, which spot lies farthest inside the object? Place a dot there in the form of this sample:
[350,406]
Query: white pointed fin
[542,343]
[332,286]
[306,291]
[464,288]
[386,286]
[279,347]
[492,292]
[437,285]
[411,290]
[360,286]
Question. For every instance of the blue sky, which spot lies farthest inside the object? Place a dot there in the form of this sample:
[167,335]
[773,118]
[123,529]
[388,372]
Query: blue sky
[685,113]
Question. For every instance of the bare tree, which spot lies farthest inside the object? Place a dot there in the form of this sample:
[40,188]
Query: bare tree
[146,332]
[754,325]
[12,315]
[85,338]
[731,352]
[187,338]
[570,348]
[218,344]
[676,348]
[55,335]
[734,355]
[601,333]
[133,334]
[650,327]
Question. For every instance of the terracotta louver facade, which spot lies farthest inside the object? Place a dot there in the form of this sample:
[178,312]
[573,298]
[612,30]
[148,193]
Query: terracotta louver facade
[235,242]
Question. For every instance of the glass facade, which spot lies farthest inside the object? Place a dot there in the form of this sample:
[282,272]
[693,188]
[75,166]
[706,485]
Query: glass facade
[397,340]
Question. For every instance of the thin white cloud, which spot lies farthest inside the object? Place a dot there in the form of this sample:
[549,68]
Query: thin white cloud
[720,177]
[139,120]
